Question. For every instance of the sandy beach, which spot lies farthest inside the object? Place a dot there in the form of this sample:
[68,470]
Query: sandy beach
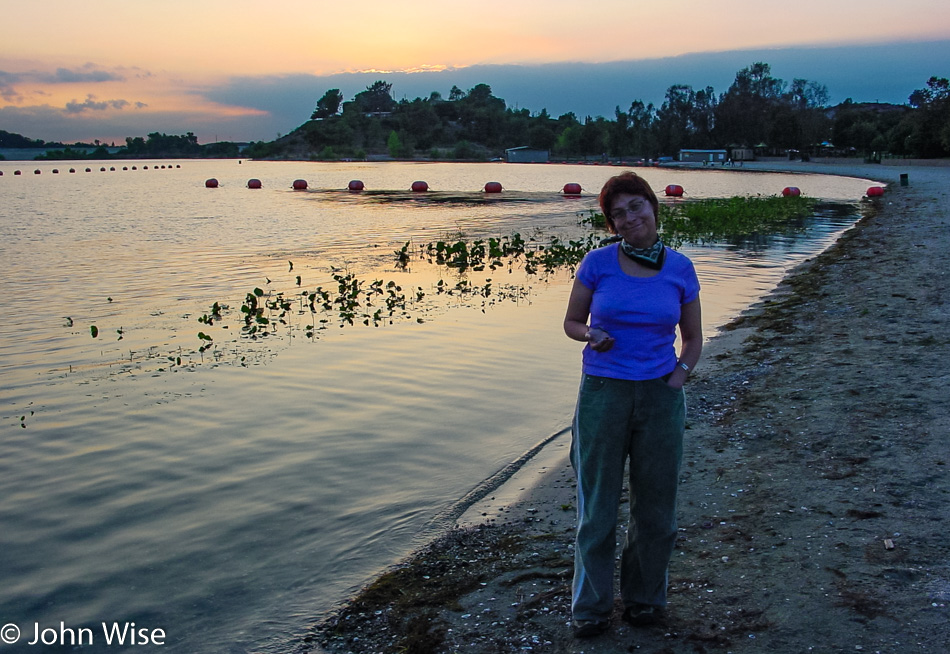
[814,489]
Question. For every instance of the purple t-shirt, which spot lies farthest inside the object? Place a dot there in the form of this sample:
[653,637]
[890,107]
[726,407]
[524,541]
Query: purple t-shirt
[641,313]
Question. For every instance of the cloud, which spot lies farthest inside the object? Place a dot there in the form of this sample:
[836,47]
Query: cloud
[90,104]
[88,73]
[886,73]
[262,107]
[7,92]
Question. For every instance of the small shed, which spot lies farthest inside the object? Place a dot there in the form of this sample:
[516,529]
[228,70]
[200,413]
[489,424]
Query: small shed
[743,154]
[524,154]
[704,156]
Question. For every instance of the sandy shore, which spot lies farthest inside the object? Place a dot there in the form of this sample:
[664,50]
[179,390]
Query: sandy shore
[813,504]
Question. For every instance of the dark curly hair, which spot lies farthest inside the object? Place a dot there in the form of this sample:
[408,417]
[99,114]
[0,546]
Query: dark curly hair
[628,182]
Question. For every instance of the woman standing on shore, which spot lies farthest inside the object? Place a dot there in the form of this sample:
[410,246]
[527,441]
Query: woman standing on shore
[627,300]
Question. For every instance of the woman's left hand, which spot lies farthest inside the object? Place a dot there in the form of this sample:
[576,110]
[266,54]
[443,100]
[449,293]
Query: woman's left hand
[677,378]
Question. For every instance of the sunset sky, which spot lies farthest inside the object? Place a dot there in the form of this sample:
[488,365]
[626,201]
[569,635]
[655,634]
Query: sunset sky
[108,69]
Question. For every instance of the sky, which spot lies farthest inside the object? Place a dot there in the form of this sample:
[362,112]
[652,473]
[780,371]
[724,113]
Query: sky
[235,70]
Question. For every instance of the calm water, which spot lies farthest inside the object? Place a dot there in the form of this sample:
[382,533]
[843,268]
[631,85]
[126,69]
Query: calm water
[232,497]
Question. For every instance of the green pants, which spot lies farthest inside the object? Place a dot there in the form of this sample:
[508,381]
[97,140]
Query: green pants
[616,420]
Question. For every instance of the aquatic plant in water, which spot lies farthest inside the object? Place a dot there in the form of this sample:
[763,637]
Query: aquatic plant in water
[377,302]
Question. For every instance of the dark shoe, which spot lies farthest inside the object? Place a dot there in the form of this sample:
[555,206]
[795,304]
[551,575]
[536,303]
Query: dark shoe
[643,615]
[589,628]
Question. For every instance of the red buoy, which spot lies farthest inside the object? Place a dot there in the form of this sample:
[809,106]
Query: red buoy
[674,190]
[493,187]
[102,170]
[37,171]
[211,183]
[420,187]
[875,191]
[572,188]
[17,172]
[72,170]
[88,170]
[125,167]
[55,171]
[355,185]
[254,183]
[300,185]
[793,191]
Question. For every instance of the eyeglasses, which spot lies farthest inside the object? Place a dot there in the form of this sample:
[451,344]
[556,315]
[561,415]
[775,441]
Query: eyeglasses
[634,207]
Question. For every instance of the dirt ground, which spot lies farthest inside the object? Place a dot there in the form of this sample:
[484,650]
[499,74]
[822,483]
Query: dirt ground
[815,490]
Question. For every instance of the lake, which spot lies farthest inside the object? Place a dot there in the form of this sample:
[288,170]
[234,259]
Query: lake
[231,496]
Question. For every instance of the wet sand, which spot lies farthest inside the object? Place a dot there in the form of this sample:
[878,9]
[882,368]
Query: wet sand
[814,491]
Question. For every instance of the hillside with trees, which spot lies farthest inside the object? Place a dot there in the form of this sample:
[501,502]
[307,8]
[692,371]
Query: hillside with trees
[758,111]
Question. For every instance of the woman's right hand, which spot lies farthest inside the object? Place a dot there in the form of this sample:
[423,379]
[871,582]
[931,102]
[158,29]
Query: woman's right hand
[599,340]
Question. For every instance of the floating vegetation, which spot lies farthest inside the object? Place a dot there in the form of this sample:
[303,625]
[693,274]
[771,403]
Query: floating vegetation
[703,221]
[373,303]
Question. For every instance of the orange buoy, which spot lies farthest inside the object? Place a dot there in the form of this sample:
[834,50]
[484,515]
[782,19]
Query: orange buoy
[674,190]
[211,183]
[493,187]
[572,188]
[420,187]
[254,183]
[355,185]
[300,185]
[875,191]
[792,191]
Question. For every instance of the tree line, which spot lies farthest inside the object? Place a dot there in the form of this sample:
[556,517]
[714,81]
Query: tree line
[154,145]
[758,111]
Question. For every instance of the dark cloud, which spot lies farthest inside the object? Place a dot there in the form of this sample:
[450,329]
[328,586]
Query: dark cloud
[90,104]
[7,91]
[864,73]
[87,73]
[885,73]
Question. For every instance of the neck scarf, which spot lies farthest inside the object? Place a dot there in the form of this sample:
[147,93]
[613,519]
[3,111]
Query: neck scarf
[651,257]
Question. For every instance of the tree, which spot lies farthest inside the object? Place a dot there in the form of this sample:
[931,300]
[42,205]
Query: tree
[930,136]
[642,118]
[377,98]
[328,105]
[744,111]
[674,120]
[394,145]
